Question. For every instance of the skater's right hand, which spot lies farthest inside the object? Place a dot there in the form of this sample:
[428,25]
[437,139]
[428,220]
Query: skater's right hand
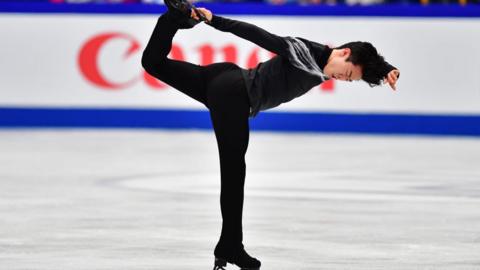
[207,13]
[392,78]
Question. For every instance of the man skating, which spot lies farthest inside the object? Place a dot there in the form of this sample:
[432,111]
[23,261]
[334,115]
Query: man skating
[233,94]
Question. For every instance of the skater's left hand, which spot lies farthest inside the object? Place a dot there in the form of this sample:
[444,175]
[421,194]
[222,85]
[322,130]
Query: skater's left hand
[205,12]
[392,78]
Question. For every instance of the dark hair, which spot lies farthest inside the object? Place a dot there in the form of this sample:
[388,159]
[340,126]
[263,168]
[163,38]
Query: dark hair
[373,65]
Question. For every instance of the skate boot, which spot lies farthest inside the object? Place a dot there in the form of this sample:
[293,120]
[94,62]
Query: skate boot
[180,11]
[239,258]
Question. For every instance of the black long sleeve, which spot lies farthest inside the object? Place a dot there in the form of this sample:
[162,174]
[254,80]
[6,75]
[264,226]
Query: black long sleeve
[250,32]
[295,70]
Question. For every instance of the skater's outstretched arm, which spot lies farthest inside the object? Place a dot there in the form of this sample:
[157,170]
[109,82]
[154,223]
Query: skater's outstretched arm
[250,32]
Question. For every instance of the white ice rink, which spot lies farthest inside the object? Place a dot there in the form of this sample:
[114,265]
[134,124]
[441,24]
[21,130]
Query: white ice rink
[149,199]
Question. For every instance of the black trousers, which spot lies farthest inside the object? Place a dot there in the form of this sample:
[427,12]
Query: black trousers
[221,88]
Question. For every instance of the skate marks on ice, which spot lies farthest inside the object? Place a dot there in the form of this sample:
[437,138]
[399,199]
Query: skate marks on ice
[315,185]
[149,200]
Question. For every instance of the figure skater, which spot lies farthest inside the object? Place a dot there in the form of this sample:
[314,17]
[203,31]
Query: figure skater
[233,94]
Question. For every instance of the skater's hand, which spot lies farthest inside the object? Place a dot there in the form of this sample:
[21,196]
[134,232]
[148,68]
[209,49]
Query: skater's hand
[392,78]
[207,13]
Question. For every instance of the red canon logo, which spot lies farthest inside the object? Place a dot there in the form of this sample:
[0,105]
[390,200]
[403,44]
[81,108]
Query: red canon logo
[90,69]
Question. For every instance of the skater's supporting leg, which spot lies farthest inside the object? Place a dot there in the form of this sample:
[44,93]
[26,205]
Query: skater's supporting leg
[229,111]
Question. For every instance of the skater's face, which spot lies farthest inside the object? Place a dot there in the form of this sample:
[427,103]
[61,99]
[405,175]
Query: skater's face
[340,69]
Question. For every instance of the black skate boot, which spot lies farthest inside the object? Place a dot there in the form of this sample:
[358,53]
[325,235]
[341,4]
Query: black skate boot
[239,258]
[180,11]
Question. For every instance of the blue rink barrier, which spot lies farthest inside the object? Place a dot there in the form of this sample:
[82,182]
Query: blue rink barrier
[266,121]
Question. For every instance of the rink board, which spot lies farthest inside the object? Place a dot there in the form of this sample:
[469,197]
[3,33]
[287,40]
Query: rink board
[442,125]
[80,67]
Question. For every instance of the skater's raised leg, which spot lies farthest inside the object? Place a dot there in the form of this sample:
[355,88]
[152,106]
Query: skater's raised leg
[186,77]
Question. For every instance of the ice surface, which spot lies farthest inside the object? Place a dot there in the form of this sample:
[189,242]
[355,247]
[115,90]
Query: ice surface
[149,199]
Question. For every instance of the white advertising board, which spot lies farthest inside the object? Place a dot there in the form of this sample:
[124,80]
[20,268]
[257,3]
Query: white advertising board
[87,60]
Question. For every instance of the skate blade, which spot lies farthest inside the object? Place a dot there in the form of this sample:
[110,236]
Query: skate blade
[220,264]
